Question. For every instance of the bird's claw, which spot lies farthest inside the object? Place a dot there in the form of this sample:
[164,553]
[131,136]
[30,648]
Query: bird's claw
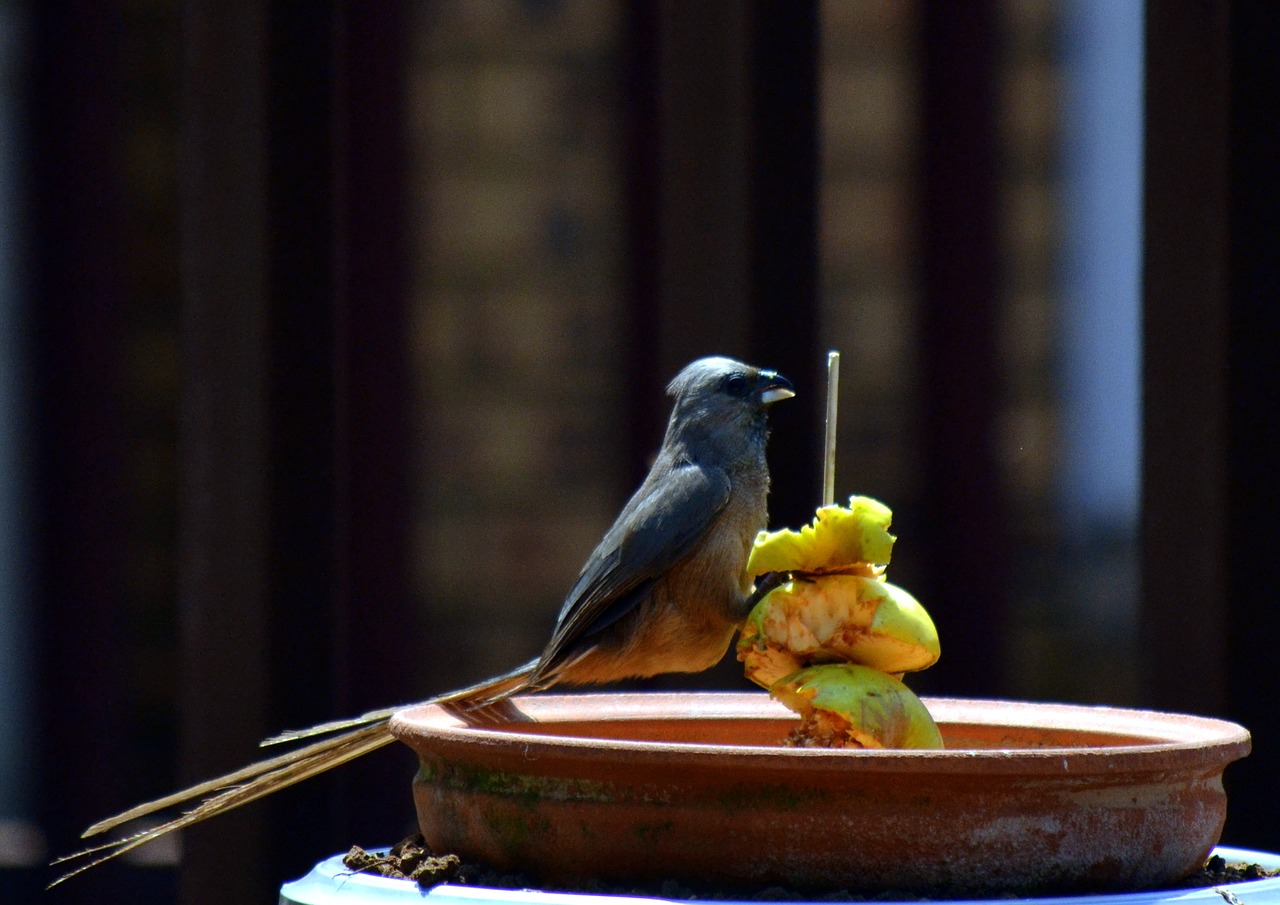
[766,583]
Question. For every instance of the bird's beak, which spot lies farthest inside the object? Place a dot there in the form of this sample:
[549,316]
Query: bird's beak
[774,388]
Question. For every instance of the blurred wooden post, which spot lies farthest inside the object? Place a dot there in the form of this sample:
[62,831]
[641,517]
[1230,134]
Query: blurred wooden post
[79,506]
[963,530]
[1211,378]
[684,68]
[224,523]
[1185,353]
[722,194]
[377,662]
[784,304]
[294,422]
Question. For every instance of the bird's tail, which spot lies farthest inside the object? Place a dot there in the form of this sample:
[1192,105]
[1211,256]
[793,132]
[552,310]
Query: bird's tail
[472,698]
[217,796]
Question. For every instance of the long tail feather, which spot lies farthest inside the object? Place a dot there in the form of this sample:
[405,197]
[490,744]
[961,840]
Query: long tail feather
[499,688]
[231,790]
[293,735]
[305,763]
[227,780]
[480,694]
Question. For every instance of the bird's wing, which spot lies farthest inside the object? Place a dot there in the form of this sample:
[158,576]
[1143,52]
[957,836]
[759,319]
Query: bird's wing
[656,530]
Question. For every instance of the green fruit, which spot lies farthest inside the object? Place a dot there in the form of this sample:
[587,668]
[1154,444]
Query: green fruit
[843,705]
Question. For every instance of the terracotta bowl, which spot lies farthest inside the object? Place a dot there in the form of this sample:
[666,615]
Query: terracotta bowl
[1027,798]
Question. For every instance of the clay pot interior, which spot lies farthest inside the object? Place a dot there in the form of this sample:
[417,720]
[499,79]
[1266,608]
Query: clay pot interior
[1027,798]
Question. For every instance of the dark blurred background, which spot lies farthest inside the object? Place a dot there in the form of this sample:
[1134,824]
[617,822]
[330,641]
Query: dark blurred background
[333,334]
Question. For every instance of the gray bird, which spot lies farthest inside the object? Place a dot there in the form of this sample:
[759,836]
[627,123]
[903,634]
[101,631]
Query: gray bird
[663,591]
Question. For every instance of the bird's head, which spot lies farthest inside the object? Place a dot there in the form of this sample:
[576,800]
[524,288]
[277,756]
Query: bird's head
[720,404]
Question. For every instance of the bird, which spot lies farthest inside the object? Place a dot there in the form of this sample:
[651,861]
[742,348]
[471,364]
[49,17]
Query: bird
[663,592]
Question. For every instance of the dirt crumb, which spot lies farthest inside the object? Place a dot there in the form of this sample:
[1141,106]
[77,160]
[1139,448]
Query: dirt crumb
[408,859]
[1217,871]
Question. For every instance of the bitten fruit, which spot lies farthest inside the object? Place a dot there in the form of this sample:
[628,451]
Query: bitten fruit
[834,640]
[843,705]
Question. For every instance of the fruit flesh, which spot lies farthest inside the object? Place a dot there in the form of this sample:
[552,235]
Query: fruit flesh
[837,618]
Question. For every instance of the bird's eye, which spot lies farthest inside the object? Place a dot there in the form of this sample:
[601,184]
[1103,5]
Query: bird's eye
[737,384]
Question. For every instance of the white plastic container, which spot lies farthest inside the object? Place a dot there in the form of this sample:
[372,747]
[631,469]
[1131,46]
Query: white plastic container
[331,883]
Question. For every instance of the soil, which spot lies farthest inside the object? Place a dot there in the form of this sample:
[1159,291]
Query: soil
[410,859]
[1217,871]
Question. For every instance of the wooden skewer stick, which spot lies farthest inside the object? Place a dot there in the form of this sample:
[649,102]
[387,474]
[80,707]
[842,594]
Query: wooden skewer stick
[829,446]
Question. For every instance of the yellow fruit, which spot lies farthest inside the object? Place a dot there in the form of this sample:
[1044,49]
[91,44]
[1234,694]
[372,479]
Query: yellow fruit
[843,705]
[839,538]
[826,642]
[836,618]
